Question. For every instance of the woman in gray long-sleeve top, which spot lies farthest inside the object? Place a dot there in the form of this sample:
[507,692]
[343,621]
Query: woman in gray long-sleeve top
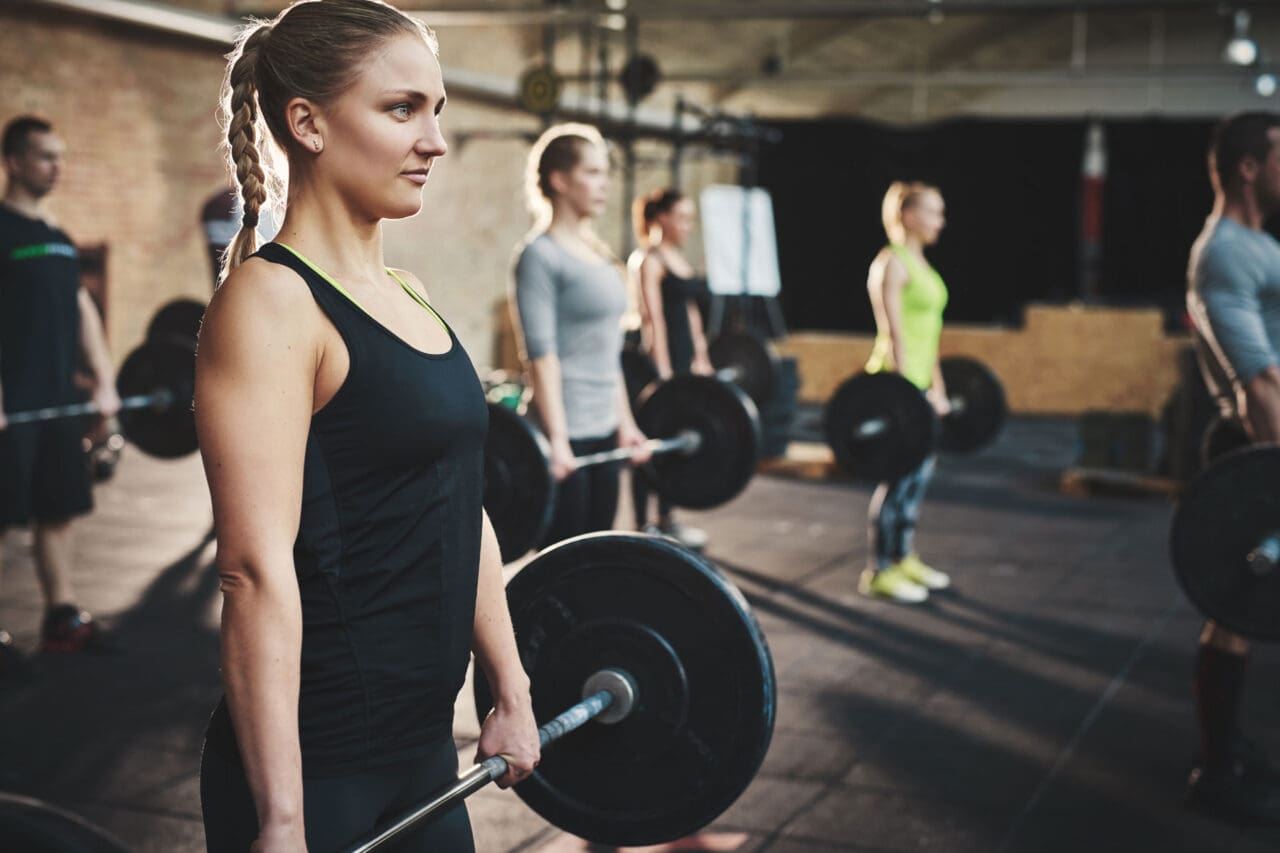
[570,295]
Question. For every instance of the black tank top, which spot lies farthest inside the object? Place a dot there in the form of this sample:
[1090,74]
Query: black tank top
[676,293]
[388,547]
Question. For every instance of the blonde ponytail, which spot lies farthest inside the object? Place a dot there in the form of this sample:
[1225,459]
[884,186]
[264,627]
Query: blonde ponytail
[240,105]
[901,196]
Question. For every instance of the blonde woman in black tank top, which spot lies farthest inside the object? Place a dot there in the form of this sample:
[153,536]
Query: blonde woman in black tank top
[342,429]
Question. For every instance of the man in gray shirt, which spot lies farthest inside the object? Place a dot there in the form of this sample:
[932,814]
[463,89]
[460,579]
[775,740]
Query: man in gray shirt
[1234,301]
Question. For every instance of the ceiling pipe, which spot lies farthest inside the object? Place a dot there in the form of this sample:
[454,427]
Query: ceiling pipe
[527,13]
[219,32]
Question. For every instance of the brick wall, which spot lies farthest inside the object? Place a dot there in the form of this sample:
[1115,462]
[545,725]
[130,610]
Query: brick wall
[136,113]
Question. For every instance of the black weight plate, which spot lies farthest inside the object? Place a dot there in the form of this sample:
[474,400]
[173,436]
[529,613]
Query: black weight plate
[1222,516]
[160,364]
[909,437]
[981,415]
[727,420]
[706,695]
[519,491]
[754,359]
[180,318]
[1221,436]
[638,371]
[32,826]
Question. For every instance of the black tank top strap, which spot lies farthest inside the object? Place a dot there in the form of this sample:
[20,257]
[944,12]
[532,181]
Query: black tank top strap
[341,311]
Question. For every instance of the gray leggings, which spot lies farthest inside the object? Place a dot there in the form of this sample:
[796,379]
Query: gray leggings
[894,511]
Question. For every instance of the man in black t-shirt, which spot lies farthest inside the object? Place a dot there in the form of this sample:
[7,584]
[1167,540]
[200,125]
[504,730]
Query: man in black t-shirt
[46,323]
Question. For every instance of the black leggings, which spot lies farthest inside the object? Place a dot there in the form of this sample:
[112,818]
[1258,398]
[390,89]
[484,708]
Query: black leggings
[341,810]
[586,500]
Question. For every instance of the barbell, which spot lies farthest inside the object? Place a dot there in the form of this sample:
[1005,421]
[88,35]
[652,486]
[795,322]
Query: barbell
[1224,541]
[667,681]
[745,360]
[705,441]
[155,385]
[881,427]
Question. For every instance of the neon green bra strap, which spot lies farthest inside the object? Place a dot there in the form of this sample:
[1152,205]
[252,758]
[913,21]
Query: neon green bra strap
[407,289]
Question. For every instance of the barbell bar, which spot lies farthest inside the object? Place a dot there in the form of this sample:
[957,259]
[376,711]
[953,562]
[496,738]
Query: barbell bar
[162,398]
[686,442]
[873,427]
[610,695]
[881,427]
[705,440]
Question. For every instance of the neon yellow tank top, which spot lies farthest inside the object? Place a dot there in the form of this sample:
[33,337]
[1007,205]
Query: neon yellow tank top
[923,299]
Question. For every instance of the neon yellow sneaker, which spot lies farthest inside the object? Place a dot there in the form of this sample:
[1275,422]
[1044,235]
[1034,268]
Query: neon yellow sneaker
[925,575]
[892,583]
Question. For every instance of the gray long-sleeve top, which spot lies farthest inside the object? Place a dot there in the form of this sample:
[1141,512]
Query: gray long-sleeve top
[572,308]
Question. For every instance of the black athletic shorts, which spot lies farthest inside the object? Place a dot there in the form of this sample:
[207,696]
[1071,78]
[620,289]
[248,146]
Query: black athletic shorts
[339,811]
[43,474]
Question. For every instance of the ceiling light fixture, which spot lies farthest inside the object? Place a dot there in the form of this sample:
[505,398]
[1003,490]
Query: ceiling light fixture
[1265,85]
[1241,50]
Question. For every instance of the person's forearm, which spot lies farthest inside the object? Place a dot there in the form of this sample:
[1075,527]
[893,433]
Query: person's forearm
[626,420]
[938,386]
[261,653]
[658,346]
[493,639]
[696,331]
[93,342]
[548,398]
[1262,405]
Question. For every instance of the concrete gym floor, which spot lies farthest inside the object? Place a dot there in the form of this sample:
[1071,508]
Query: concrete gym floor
[1044,706]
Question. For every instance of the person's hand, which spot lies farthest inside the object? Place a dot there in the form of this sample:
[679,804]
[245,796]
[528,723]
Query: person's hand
[629,435]
[4,422]
[702,366]
[107,400]
[511,731]
[282,837]
[941,404]
[562,464]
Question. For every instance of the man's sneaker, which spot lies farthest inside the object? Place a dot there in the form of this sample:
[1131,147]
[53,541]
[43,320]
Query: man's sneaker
[925,575]
[67,628]
[892,583]
[1233,795]
[694,538]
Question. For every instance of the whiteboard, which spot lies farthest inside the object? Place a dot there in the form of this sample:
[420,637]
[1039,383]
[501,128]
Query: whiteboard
[728,214]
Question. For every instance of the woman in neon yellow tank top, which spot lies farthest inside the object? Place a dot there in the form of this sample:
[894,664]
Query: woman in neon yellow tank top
[908,296]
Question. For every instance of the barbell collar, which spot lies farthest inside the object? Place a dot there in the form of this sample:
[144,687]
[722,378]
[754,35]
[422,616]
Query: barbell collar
[871,428]
[687,442]
[619,685]
[495,766]
[1262,560]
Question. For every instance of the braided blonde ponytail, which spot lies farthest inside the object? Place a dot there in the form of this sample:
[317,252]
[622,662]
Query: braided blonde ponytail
[241,115]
